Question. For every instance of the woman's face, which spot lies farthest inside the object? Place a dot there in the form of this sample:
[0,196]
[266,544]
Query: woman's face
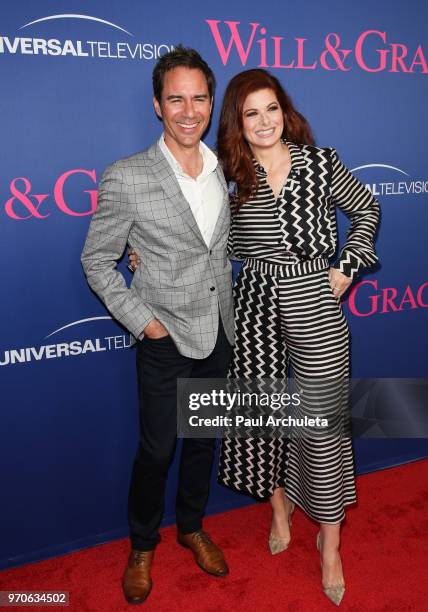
[263,119]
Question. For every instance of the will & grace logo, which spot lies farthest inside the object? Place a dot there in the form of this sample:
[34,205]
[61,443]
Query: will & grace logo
[70,348]
[24,204]
[371,51]
[403,187]
[369,298]
[71,197]
[24,44]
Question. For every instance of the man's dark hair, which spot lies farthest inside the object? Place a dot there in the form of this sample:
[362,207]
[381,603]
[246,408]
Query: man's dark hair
[180,56]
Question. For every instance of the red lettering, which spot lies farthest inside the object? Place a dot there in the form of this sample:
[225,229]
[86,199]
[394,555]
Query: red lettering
[359,51]
[234,40]
[263,56]
[300,56]
[277,54]
[389,294]
[419,60]
[408,298]
[24,198]
[397,58]
[419,296]
[59,193]
[374,299]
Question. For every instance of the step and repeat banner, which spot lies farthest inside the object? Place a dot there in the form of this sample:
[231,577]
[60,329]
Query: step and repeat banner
[76,95]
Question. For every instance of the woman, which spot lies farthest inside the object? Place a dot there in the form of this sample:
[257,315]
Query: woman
[284,228]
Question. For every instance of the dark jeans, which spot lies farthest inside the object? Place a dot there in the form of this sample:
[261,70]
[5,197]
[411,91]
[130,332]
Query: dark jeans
[159,364]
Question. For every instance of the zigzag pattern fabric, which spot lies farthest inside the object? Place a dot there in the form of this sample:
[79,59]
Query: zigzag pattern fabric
[293,319]
[286,313]
[301,223]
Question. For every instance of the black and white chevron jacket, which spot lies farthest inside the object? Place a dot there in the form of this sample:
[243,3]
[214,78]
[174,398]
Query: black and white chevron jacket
[301,222]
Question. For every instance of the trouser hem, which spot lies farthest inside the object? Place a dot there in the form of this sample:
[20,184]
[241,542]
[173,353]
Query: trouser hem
[189,527]
[137,544]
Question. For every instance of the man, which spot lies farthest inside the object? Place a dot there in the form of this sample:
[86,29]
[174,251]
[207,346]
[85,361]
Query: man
[170,203]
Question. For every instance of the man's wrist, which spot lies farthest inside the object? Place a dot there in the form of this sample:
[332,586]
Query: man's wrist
[141,335]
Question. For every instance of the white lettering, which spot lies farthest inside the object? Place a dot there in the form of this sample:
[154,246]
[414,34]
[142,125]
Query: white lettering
[54,46]
[26,46]
[40,45]
[50,351]
[33,352]
[121,47]
[136,50]
[68,48]
[79,48]
[80,52]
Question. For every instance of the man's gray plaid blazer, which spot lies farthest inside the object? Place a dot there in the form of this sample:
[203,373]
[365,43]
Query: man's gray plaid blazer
[180,281]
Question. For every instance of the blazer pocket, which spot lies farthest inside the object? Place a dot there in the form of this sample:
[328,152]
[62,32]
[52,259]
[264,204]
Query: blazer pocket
[164,297]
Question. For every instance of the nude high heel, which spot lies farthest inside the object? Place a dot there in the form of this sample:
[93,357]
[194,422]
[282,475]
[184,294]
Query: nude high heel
[278,545]
[334,593]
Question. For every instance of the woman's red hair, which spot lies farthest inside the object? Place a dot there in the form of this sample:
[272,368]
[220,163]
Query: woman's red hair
[233,150]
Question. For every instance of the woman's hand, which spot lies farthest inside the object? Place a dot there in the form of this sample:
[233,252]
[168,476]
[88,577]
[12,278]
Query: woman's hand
[134,260]
[339,282]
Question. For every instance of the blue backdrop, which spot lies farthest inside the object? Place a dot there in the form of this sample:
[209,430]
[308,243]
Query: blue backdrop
[76,95]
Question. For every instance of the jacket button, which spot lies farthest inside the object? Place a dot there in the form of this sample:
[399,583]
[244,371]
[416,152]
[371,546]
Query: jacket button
[210,252]
[212,288]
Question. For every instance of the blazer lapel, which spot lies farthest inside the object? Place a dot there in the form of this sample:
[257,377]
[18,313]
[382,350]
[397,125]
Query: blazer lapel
[222,224]
[168,181]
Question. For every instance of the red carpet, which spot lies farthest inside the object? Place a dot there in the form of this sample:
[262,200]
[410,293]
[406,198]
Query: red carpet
[384,552]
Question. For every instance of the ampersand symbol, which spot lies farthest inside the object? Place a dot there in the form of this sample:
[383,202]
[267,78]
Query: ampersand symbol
[332,42]
[22,196]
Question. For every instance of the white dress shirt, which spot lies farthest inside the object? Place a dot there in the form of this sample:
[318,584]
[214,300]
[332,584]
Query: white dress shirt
[204,194]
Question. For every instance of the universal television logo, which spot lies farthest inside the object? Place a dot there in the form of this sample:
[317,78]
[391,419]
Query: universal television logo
[385,188]
[82,49]
[70,348]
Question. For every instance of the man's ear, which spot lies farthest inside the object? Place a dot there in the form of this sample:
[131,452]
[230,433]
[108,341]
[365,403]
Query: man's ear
[157,106]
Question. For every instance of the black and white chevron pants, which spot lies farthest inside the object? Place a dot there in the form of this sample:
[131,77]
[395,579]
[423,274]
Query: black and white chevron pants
[287,314]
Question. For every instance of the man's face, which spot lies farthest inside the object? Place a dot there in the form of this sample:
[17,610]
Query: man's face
[185,108]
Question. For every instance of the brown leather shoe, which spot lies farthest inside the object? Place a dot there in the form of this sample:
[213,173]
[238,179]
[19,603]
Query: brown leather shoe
[207,555]
[137,582]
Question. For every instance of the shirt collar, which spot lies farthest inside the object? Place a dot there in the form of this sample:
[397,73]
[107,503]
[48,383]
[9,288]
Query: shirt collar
[297,160]
[210,161]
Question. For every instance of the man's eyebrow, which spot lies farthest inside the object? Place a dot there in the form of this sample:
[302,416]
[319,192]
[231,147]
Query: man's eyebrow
[179,97]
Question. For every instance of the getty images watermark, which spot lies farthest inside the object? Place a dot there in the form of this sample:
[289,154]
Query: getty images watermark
[316,408]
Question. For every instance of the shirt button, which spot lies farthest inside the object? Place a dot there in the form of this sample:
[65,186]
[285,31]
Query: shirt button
[212,288]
